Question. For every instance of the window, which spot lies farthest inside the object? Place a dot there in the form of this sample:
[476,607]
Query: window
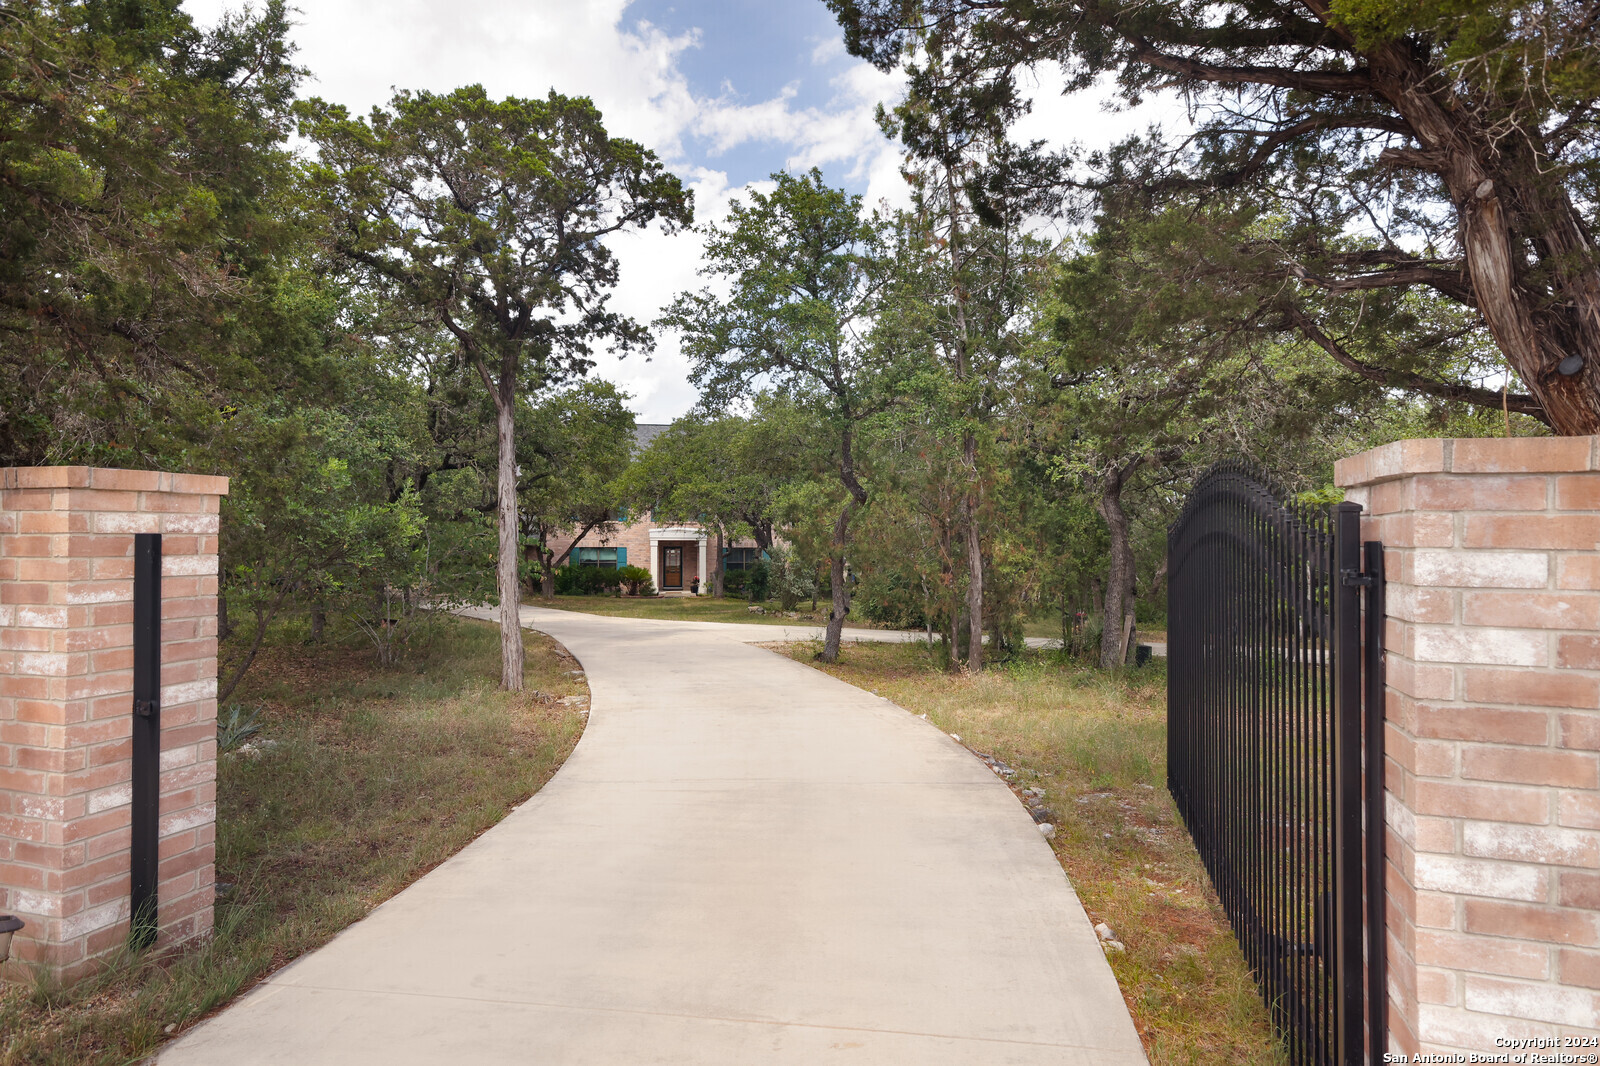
[605,558]
[740,558]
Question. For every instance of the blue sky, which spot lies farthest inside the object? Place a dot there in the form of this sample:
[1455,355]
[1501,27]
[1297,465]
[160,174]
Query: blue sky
[725,91]
[751,51]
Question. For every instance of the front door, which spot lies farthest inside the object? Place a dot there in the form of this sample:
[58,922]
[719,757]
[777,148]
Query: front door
[672,568]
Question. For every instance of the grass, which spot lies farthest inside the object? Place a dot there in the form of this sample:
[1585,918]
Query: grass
[1096,743]
[362,779]
[692,609]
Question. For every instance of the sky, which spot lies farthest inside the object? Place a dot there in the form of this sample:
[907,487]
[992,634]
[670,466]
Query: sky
[724,91]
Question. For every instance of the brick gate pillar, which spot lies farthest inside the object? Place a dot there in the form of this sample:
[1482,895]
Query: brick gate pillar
[66,705]
[1493,735]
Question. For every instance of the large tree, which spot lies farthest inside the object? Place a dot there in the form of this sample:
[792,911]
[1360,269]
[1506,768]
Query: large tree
[147,227]
[804,270]
[572,448]
[491,217]
[1447,146]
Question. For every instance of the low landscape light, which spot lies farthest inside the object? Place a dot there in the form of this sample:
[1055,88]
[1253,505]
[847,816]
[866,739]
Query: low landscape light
[8,925]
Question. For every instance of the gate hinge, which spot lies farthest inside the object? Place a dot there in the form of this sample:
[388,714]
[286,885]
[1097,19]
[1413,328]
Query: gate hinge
[1355,579]
[145,708]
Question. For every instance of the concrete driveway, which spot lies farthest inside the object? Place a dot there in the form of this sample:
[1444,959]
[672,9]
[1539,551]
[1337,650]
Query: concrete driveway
[744,861]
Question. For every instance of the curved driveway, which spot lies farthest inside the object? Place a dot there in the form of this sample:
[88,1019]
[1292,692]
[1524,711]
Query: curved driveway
[744,861]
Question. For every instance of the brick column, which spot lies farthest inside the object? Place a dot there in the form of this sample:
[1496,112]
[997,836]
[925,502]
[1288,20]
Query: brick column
[66,705]
[1493,734]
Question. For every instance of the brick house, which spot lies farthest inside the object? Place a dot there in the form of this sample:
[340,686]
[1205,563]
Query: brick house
[676,554]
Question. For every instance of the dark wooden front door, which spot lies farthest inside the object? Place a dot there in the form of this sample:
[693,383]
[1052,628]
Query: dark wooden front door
[672,568]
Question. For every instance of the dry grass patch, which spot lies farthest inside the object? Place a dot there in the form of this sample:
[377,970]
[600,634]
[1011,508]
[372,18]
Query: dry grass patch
[361,780]
[1096,744]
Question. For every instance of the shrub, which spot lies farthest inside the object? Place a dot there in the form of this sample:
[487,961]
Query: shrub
[889,600]
[735,581]
[789,578]
[636,580]
[758,580]
[588,580]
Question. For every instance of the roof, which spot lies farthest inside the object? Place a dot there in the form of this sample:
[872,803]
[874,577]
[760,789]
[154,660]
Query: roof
[645,432]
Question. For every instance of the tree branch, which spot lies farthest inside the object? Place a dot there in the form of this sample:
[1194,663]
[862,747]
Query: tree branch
[1331,82]
[1444,390]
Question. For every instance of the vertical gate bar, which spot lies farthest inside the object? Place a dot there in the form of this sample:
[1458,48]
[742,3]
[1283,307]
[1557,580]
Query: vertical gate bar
[1294,857]
[1377,891]
[1252,699]
[143,858]
[1348,851]
[1326,1003]
[1305,892]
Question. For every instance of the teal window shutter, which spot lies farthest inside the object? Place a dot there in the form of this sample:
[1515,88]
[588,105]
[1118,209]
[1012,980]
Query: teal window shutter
[622,558]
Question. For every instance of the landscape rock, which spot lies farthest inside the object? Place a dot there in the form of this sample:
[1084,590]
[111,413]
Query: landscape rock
[1103,931]
[1113,947]
[1047,830]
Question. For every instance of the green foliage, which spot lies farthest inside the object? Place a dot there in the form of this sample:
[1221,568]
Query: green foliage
[590,580]
[235,726]
[471,211]
[1379,136]
[148,221]
[636,580]
[572,448]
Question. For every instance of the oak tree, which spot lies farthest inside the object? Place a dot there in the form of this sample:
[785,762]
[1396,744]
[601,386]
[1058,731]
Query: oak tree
[491,216]
[1446,147]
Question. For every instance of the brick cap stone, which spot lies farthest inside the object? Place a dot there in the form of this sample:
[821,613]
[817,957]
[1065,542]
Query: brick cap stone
[1470,455]
[104,477]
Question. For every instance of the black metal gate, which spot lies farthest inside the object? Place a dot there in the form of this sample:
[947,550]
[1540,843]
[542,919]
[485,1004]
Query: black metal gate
[1267,747]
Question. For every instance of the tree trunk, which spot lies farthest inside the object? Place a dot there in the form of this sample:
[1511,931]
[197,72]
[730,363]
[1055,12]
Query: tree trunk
[224,628]
[1509,201]
[510,586]
[1119,575]
[717,567]
[969,451]
[841,544]
[319,619]
[841,598]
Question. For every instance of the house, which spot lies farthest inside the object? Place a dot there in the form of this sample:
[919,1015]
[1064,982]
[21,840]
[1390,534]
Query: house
[677,555]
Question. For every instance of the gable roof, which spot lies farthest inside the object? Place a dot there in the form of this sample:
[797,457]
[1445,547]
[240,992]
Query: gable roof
[645,432]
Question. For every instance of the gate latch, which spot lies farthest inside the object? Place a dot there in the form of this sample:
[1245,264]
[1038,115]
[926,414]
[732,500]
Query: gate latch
[1355,579]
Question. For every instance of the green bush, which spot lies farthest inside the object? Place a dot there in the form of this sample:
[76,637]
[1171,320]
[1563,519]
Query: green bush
[588,580]
[734,582]
[758,581]
[889,600]
[636,579]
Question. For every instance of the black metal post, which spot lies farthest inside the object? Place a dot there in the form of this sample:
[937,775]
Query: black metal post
[1348,850]
[1377,889]
[144,856]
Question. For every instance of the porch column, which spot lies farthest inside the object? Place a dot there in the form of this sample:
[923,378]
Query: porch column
[705,577]
[651,561]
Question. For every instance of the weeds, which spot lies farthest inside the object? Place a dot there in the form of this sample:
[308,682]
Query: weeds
[373,776]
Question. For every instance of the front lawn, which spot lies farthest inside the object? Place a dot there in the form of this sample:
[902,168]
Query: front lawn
[361,780]
[1096,744]
[694,609]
